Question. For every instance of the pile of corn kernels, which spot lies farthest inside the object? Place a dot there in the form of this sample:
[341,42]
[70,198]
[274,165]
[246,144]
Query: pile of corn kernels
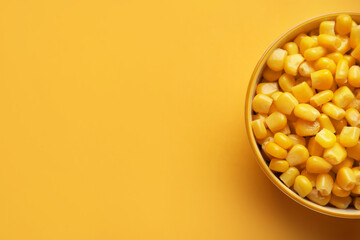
[306,113]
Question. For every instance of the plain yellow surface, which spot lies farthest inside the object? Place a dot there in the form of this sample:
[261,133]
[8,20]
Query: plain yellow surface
[125,120]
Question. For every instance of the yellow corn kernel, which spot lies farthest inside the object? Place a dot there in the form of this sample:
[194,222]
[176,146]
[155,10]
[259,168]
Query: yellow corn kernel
[354,104]
[356,190]
[335,155]
[306,112]
[321,98]
[302,185]
[317,164]
[343,96]
[314,53]
[352,117]
[302,92]
[278,165]
[259,129]
[261,103]
[356,203]
[267,88]
[306,68]
[296,139]
[270,75]
[356,53]
[329,41]
[275,95]
[306,128]
[344,44]
[336,56]
[286,103]
[345,178]
[356,171]
[324,183]
[286,82]
[282,140]
[297,155]
[286,130]
[306,43]
[288,177]
[343,24]
[349,136]
[327,27]
[322,79]
[291,47]
[342,70]
[354,152]
[326,123]
[275,150]
[292,63]
[276,121]
[325,138]
[339,124]
[315,149]
[310,176]
[338,191]
[273,108]
[340,202]
[317,198]
[350,60]
[354,76]
[355,36]
[298,38]
[333,111]
[325,63]
[269,138]
[277,59]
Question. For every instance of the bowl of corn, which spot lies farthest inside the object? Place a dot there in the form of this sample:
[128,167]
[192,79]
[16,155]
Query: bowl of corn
[302,113]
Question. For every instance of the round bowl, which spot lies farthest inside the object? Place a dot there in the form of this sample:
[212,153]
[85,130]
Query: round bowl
[305,26]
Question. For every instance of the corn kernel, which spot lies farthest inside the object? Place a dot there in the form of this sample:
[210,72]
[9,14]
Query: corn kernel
[306,43]
[336,56]
[314,53]
[282,140]
[273,108]
[325,138]
[350,60]
[356,190]
[270,75]
[321,98]
[259,129]
[340,202]
[335,155]
[286,130]
[302,92]
[297,155]
[306,128]
[355,36]
[344,44]
[345,178]
[275,150]
[306,68]
[324,184]
[329,41]
[286,82]
[349,136]
[286,103]
[338,191]
[327,27]
[322,79]
[333,111]
[276,121]
[302,185]
[267,88]
[342,70]
[325,122]
[317,164]
[261,103]
[352,117]
[348,162]
[276,60]
[306,112]
[316,197]
[278,165]
[292,63]
[343,24]
[275,95]
[339,124]
[288,177]
[315,149]
[354,104]
[269,138]
[343,96]
[298,38]
[325,63]
[356,53]
[296,139]
[310,176]
[356,203]
[291,47]
[356,171]
[354,152]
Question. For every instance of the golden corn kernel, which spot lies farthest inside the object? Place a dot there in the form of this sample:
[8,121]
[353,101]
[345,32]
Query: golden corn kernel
[348,162]
[339,124]
[306,128]
[356,190]
[276,121]
[343,96]
[261,103]
[267,88]
[321,98]
[275,95]
[302,92]
[342,70]
[338,191]
[315,149]
[302,185]
[355,103]
[356,171]
[292,63]
[343,24]
[291,47]
[310,176]
[350,60]
[355,36]
[322,79]
[317,164]
[345,178]
[316,197]
[278,165]
[335,155]
[306,112]
[336,56]
[356,53]
[329,41]
[270,75]
[298,38]
[296,139]
[314,53]
[352,117]
[297,155]
[349,136]
[324,184]
[288,177]
[275,150]
[325,122]
[327,27]
[286,103]
[325,138]
[273,108]
[306,43]
[356,203]
[259,129]
[340,202]
[282,140]
[269,138]
[276,60]
[306,68]
[333,111]
[344,44]
[354,152]
[325,63]
[286,82]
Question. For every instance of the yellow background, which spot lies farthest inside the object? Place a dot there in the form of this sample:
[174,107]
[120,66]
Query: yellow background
[125,120]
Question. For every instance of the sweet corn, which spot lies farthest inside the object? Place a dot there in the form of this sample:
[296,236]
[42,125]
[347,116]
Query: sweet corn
[339,124]
[335,155]
[315,149]
[306,68]
[306,112]
[314,53]
[355,36]
[322,79]
[259,129]
[286,82]
[296,139]
[324,184]
[278,165]
[269,135]
[325,138]
[276,121]
[356,53]
[317,164]
[267,88]
[261,103]
[356,171]
[276,60]
[327,27]
[349,136]
[329,41]
[343,96]
[343,24]
[325,63]
[321,98]
[342,70]
[300,80]
[302,92]
[288,177]
[333,111]
[340,202]
[270,75]
[356,190]
[338,191]
[286,103]
[275,95]
[291,47]
[298,38]
[356,203]
[352,117]
[282,140]
[354,104]
[354,152]
[306,128]
[354,76]
[297,155]
[273,109]
[345,178]
[302,185]
[325,122]
[348,162]
[350,60]
[286,130]
[275,150]
[336,56]
[306,43]
[316,197]
[292,63]
[310,176]
[344,44]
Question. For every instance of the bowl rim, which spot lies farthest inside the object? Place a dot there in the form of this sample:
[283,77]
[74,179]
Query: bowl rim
[330,211]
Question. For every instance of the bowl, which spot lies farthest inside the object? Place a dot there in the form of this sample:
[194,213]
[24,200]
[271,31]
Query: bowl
[305,26]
